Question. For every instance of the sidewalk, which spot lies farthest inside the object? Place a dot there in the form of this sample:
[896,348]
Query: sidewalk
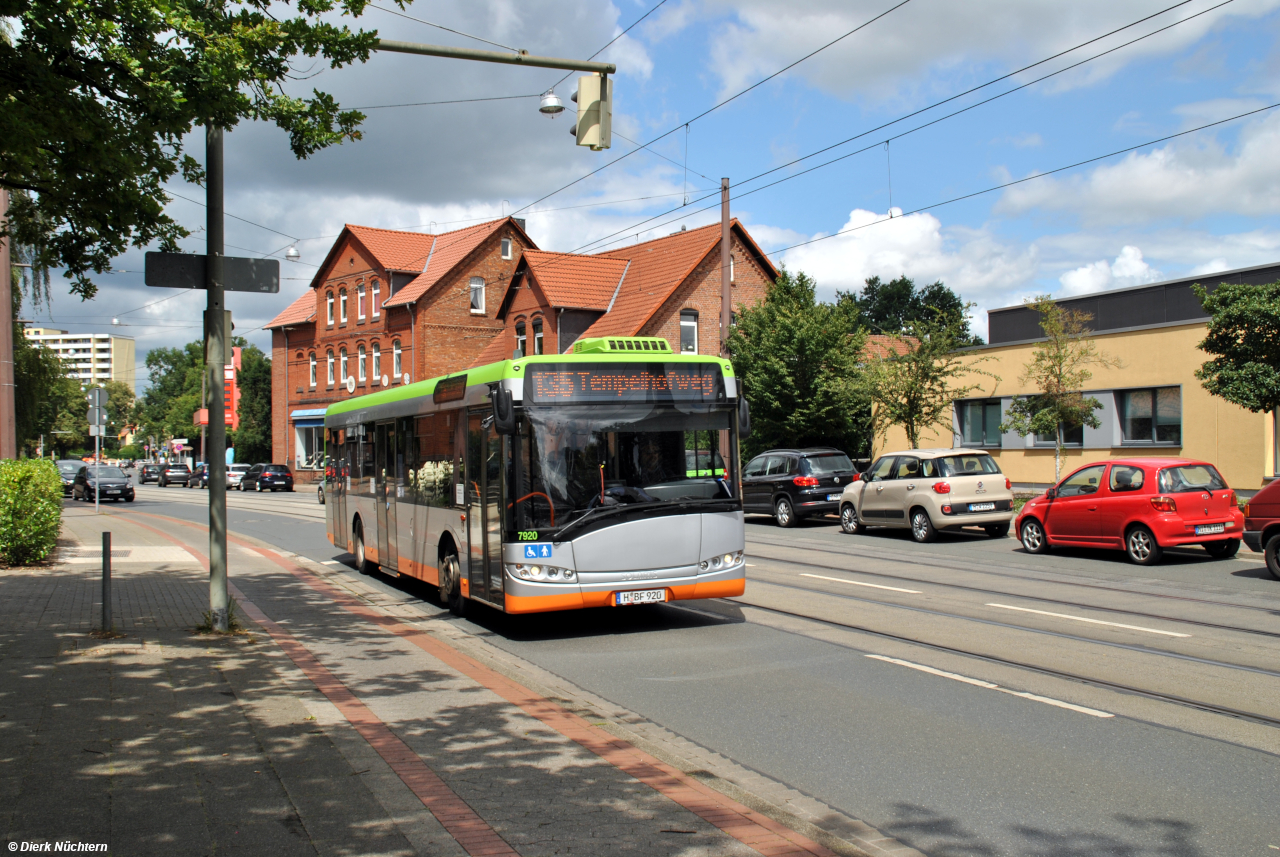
[345,722]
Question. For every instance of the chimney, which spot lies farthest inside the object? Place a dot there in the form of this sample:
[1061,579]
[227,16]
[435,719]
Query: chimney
[519,221]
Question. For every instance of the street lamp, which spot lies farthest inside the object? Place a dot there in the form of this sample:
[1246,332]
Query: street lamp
[292,254]
[552,106]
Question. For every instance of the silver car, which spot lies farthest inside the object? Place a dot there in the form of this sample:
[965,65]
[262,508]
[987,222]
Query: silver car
[929,490]
[236,472]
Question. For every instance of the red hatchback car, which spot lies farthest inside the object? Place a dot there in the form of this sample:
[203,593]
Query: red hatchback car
[1139,505]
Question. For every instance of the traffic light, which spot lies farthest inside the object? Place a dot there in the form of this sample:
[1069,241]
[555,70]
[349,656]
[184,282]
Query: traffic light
[595,112]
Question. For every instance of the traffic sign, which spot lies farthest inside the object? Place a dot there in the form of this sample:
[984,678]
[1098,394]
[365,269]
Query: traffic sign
[187,271]
[98,397]
[97,416]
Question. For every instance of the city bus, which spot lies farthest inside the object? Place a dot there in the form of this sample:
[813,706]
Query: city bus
[606,476]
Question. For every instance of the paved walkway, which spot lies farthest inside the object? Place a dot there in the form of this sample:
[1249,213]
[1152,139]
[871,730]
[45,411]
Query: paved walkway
[344,722]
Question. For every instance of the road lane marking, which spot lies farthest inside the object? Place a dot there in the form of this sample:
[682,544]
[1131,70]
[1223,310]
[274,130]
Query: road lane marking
[986,685]
[1091,621]
[860,583]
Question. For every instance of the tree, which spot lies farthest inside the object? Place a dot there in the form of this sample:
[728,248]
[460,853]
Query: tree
[914,385]
[253,439]
[173,396]
[1059,370]
[98,98]
[889,307]
[36,372]
[70,407]
[798,362]
[1244,333]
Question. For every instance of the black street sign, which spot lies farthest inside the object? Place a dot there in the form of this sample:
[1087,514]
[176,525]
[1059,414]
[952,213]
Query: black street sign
[186,271]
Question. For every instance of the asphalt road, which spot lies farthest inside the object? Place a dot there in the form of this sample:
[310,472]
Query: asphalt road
[963,697]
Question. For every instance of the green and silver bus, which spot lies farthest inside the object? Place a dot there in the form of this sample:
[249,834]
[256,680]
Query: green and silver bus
[607,476]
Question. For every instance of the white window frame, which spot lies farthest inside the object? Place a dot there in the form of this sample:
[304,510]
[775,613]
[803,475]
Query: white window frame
[376,362]
[731,269]
[329,301]
[313,369]
[507,245]
[360,366]
[376,306]
[537,336]
[522,338]
[342,305]
[329,359]
[476,287]
[342,366]
[693,324]
[396,358]
[360,302]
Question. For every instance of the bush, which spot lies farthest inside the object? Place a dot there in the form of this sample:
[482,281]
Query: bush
[30,510]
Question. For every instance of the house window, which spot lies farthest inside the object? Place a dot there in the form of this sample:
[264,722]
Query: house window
[377,363]
[360,302]
[395,359]
[980,422]
[520,339]
[506,248]
[329,306]
[688,331]
[342,306]
[330,361]
[376,305]
[360,364]
[477,295]
[1072,435]
[342,365]
[1151,416]
[537,336]
[313,369]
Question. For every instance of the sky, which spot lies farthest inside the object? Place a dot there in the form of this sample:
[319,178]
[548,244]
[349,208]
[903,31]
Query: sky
[978,200]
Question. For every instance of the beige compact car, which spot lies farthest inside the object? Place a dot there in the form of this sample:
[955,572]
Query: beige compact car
[929,490]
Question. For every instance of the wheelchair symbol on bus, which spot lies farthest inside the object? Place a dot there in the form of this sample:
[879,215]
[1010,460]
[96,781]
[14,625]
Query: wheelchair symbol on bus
[537,551]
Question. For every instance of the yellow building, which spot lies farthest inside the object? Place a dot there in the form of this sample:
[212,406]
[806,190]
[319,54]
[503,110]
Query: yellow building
[1152,405]
[93,358]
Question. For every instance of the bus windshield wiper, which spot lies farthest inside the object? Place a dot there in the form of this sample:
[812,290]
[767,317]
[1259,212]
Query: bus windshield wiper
[597,512]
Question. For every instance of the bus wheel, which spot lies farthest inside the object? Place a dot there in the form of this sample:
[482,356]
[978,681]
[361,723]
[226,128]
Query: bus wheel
[362,562]
[451,585]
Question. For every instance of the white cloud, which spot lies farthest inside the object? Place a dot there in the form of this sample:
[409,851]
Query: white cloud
[1129,269]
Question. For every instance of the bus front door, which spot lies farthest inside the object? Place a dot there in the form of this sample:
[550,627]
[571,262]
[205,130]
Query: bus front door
[484,509]
[384,491]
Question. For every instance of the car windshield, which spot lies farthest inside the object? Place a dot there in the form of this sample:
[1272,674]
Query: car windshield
[69,469]
[238,468]
[105,472]
[181,467]
[967,465]
[824,465]
[577,458]
[277,468]
[1190,477]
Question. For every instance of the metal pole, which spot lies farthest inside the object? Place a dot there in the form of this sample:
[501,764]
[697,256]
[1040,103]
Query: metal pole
[214,371]
[106,581]
[204,403]
[494,56]
[726,296]
[97,470]
[8,422]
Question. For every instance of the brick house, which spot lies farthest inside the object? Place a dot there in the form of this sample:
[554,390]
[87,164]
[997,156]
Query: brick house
[406,306]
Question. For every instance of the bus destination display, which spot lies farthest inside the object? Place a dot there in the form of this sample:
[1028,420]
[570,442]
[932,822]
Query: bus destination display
[573,383]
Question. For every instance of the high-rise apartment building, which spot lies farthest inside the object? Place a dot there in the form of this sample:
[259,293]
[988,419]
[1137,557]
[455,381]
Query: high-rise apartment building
[93,358]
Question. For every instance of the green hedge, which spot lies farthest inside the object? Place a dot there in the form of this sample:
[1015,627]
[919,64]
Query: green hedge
[30,510]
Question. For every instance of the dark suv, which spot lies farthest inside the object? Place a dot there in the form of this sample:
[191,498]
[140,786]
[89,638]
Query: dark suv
[149,473]
[791,484]
[1262,526]
[174,474]
[267,477]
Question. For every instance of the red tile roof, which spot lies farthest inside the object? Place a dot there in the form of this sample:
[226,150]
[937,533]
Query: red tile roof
[576,282]
[299,312]
[445,252]
[395,250]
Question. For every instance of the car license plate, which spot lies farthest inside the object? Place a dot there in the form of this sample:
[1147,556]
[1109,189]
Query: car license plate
[831,498]
[982,507]
[113,491]
[1210,529]
[642,596]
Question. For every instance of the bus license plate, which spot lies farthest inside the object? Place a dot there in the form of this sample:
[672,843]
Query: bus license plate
[1210,529]
[642,596]
[982,507]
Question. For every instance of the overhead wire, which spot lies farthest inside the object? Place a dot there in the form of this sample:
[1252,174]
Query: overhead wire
[614,39]
[446,29]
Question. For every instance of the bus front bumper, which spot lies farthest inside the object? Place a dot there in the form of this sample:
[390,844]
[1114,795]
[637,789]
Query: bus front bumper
[600,589]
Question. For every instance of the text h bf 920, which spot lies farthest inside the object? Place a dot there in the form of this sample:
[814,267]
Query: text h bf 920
[548,482]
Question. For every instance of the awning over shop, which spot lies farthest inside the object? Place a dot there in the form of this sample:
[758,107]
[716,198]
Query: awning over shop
[307,417]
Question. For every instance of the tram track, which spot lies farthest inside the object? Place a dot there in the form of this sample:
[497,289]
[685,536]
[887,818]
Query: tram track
[1118,687]
[1040,598]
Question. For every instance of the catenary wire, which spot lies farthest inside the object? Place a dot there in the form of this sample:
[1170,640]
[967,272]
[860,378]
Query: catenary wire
[614,39]
[442,27]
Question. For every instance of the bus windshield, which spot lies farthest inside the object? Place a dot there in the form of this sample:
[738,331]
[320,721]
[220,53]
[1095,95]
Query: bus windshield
[574,459]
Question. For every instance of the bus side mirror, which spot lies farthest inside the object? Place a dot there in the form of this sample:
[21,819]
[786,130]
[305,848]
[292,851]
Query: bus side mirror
[744,418]
[504,411]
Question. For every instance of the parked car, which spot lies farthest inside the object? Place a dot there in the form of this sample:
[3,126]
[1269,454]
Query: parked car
[109,483]
[199,476]
[929,490]
[149,473]
[267,477]
[1138,505]
[68,469]
[792,484]
[236,472]
[1262,526]
[174,474]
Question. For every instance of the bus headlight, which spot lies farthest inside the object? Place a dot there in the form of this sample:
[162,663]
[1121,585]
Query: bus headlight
[728,559]
[541,572]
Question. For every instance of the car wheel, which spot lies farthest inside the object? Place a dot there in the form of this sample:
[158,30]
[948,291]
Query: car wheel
[1224,549]
[257,487]
[783,513]
[922,529]
[362,560]
[1141,547]
[451,585]
[128,499]
[1032,537]
[320,495]
[849,520]
[997,531]
[1271,552]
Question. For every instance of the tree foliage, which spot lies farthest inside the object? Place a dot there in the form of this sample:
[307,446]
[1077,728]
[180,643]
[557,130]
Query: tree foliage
[1244,334]
[98,98]
[890,307]
[915,384]
[798,362]
[1059,370]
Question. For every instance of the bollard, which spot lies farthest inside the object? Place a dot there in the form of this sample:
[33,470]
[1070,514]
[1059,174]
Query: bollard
[106,582]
